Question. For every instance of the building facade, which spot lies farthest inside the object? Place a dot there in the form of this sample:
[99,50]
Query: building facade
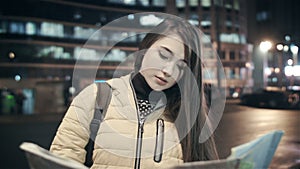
[277,22]
[42,42]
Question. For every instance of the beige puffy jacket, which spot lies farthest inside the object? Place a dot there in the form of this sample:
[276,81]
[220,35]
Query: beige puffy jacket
[116,140]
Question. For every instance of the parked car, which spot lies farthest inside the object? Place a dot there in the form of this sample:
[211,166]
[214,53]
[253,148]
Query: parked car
[266,98]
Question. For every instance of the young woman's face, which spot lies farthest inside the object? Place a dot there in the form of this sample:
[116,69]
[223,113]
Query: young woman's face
[163,63]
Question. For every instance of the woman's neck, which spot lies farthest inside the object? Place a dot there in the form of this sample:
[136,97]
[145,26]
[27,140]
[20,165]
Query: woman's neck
[141,87]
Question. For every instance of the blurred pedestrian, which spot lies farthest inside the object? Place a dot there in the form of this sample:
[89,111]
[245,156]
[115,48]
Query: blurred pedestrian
[164,94]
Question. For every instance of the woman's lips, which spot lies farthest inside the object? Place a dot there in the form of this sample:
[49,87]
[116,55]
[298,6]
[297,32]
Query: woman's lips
[161,81]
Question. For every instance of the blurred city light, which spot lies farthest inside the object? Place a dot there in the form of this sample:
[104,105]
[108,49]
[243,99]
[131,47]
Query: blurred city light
[290,62]
[277,70]
[18,78]
[265,46]
[268,71]
[292,70]
[285,48]
[279,47]
[294,49]
[11,55]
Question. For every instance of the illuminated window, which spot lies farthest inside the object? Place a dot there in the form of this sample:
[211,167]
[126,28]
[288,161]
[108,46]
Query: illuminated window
[193,3]
[124,2]
[180,3]
[205,3]
[30,28]
[218,2]
[3,27]
[232,73]
[242,56]
[230,38]
[16,27]
[115,55]
[86,54]
[206,21]
[194,19]
[159,3]
[150,20]
[85,33]
[228,22]
[243,39]
[143,2]
[262,16]
[228,4]
[236,5]
[52,29]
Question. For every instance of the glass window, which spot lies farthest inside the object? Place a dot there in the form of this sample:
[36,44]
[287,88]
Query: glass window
[223,55]
[55,52]
[218,2]
[228,4]
[16,27]
[124,2]
[159,3]
[143,2]
[243,73]
[262,16]
[30,28]
[232,55]
[205,3]
[3,26]
[115,55]
[236,5]
[232,73]
[242,56]
[193,3]
[86,54]
[86,33]
[194,19]
[243,39]
[228,21]
[150,20]
[180,3]
[206,21]
[52,29]
[230,38]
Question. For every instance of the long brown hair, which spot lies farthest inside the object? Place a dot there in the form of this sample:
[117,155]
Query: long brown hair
[180,101]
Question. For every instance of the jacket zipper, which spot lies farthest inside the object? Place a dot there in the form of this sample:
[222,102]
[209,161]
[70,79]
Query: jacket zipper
[137,162]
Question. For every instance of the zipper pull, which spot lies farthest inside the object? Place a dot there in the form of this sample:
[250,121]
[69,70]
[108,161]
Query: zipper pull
[159,140]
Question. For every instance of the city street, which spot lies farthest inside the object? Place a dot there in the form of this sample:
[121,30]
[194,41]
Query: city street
[239,125]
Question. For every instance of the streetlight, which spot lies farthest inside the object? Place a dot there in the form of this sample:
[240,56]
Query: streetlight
[264,47]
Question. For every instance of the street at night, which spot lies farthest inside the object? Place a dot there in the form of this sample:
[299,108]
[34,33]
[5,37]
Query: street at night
[239,125]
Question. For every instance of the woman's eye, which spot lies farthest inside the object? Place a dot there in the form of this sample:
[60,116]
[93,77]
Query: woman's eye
[164,55]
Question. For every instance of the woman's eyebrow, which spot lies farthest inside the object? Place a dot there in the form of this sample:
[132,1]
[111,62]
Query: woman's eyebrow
[167,49]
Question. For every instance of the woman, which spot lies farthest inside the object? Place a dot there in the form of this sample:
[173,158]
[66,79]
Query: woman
[154,119]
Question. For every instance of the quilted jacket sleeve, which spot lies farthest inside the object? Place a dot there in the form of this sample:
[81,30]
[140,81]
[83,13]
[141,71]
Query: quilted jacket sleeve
[73,133]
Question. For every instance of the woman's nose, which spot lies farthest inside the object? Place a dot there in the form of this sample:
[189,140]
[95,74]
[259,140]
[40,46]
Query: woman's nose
[168,69]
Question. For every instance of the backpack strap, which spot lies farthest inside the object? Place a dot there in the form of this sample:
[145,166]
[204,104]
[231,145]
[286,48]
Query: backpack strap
[102,101]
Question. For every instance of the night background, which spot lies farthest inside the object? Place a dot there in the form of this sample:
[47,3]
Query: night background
[257,42]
